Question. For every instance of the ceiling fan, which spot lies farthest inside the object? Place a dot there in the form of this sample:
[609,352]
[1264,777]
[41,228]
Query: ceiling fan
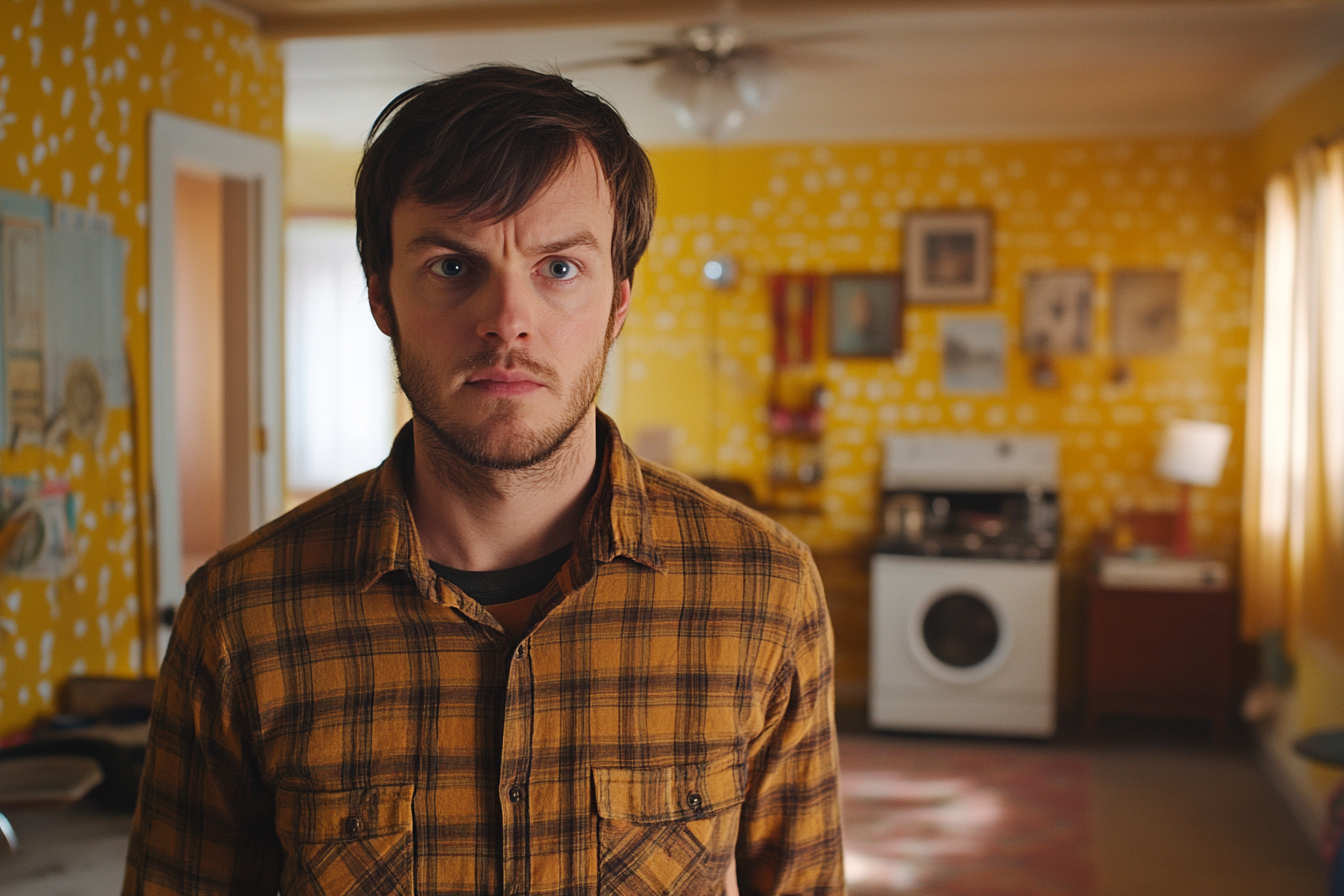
[711,75]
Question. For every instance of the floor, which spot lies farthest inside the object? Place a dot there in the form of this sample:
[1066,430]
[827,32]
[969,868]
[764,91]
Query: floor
[1168,816]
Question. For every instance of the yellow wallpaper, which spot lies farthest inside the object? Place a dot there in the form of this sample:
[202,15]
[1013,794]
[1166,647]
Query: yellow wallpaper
[77,83]
[698,362]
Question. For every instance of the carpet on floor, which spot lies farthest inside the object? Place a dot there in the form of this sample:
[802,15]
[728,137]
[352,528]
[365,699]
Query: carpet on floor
[938,817]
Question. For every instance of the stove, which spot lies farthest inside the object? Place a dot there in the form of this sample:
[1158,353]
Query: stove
[964,599]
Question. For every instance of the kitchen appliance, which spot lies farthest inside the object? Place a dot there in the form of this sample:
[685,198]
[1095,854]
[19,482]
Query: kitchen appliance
[964,586]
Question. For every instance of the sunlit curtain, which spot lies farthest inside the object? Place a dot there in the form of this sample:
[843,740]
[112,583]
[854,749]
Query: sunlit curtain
[1293,534]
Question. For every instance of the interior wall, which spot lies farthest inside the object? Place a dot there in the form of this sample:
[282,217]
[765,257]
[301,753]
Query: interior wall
[77,82]
[320,177]
[1102,206]
[198,349]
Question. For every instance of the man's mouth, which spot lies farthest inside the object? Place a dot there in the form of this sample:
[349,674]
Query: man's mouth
[504,382]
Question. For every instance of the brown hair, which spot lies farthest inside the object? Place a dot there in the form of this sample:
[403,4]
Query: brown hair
[485,141]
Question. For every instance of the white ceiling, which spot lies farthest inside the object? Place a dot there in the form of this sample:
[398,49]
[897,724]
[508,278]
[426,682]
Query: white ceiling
[997,71]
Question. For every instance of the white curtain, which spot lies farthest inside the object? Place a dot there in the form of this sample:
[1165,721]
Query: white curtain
[341,408]
[1294,498]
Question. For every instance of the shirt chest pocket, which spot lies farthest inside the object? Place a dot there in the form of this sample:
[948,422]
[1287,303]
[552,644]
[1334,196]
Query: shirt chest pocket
[346,841]
[667,830]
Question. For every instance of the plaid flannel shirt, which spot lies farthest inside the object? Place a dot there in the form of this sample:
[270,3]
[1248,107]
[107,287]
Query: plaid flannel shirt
[332,718]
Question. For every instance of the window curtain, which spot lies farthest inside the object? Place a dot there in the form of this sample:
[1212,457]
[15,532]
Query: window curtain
[1293,519]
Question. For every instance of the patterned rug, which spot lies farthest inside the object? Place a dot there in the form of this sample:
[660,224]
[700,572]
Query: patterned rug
[938,817]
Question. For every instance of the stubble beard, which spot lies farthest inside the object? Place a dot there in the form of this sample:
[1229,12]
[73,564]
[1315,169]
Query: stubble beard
[477,445]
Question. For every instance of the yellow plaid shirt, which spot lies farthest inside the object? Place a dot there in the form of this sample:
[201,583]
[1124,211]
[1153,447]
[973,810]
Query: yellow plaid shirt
[332,718]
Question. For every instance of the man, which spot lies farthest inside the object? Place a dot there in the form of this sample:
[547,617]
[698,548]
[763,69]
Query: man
[513,659]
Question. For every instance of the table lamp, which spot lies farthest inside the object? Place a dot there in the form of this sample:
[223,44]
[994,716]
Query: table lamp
[1193,453]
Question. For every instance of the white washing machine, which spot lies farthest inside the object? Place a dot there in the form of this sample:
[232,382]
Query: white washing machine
[965,587]
[963,645]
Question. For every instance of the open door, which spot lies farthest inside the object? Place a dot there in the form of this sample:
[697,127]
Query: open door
[215,231]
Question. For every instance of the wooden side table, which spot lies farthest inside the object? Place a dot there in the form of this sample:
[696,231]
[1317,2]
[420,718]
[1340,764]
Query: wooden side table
[1158,651]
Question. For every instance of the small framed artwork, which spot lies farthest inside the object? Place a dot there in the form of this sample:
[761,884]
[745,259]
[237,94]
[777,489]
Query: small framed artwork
[864,319]
[792,298]
[1145,312]
[1057,312]
[948,255]
[973,353]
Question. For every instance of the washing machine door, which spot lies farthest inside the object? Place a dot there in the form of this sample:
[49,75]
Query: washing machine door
[959,634]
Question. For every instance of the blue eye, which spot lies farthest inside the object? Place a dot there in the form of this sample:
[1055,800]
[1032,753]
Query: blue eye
[451,266]
[559,269]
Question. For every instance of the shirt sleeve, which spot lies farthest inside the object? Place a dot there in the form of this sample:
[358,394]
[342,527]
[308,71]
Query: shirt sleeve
[789,833]
[204,823]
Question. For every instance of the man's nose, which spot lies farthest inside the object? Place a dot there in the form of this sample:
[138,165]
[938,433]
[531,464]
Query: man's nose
[507,308]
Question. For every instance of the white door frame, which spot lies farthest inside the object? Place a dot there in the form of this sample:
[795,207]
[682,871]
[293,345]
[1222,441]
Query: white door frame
[175,143]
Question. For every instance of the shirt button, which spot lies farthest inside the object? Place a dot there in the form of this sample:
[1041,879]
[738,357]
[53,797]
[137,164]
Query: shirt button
[353,826]
[694,801]
[521,651]
[515,794]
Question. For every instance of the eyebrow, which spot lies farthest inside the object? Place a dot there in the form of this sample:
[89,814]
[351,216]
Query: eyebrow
[438,241]
[582,238]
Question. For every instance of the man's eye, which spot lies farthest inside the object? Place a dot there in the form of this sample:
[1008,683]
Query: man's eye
[559,269]
[451,266]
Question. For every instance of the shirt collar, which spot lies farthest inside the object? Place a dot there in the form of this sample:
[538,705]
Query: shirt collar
[617,523]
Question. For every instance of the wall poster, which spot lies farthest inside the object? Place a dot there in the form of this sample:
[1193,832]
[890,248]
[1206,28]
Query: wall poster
[62,330]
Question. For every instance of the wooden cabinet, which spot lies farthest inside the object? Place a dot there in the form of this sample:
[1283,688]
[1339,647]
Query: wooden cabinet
[1160,652]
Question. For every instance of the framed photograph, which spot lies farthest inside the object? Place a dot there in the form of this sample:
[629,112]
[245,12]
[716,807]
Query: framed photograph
[973,353]
[948,255]
[1057,312]
[792,297]
[1145,312]
[864,319]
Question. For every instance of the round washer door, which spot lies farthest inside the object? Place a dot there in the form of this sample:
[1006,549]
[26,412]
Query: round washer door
[959,635]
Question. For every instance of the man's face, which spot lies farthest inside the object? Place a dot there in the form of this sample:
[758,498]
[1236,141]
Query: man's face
[501,330]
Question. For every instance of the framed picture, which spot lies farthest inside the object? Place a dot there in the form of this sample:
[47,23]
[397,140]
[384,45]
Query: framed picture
[1145,312]
[864,319]
[792,297]
[973,353]
[1057,312]
[948,255]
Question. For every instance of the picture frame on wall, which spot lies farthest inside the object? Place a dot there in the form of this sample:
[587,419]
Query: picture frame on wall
[864,315]
[948,255]
[974,354]
[1057,312]
[792,300]
[1145,311]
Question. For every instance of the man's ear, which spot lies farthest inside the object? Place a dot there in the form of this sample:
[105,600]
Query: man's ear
[380,303]
[622,307]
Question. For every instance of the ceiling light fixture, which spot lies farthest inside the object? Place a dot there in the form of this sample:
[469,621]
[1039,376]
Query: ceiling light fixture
[714,81]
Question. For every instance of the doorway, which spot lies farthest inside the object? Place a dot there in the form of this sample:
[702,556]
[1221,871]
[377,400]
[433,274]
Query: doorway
[214,347]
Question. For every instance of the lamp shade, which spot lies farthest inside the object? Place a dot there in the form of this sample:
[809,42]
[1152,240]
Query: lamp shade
[1194,451]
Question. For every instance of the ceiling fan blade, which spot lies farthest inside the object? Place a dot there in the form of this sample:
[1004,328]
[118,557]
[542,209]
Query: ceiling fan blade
[647,58]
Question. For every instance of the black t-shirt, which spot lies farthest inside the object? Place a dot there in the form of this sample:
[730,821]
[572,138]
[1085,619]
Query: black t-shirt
[502,586]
